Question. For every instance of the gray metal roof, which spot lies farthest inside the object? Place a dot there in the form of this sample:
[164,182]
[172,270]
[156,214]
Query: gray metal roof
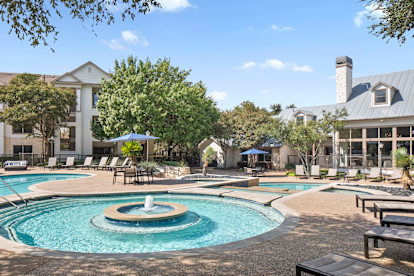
[359,104]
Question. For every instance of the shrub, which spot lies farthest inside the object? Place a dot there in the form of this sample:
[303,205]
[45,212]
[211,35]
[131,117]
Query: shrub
[290,166]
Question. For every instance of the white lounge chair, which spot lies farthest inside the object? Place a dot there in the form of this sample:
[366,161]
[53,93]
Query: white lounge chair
[397,174]
[300,172]
[112,165]
[332,173]
[101,164]
[70,163]
[87,163]
[374,174]
[315,171]
[351,174]
[52,163]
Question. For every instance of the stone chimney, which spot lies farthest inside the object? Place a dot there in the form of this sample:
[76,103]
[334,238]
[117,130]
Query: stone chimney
[343,79]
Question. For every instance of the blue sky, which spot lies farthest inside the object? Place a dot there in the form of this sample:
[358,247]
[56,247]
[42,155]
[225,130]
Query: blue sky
[265,51]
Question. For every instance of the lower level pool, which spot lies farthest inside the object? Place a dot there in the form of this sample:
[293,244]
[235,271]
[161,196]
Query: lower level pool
[78,224]
[293,186]
[20,183]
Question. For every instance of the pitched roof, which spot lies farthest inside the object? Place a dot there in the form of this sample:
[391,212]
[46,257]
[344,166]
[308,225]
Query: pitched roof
[359,103]
[5,78]
[58,80]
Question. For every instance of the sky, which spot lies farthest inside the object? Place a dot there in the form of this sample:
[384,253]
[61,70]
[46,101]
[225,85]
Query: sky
[265,51]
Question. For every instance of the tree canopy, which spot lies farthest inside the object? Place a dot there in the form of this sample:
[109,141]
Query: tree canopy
[275,109]
[396,20]
[34,19]
[34,104]
[141,96]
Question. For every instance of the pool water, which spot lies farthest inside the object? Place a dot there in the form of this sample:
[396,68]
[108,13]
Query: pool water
[344,191]
[207,181]
[67,224]
[250,191]
[21,183]
[293,186]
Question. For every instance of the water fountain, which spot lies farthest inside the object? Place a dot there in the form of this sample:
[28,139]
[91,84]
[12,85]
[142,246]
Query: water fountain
[149,203]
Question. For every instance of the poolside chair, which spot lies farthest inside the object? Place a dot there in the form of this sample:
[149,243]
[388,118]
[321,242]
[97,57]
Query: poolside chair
[300,172]
[248,171]
[124,164]
[112,165]
[352,174]
[397,175]
[101,164]
[149,172]
[332,174]
[86,164]
[364,198]
[52,163]
[315,171]
[374,174]
[70,163]
[131,174]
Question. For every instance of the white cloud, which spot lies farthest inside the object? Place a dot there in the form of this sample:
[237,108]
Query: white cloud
[303,68]
[173,5]
[275,27]
[132,38]
[113,44]
[218,96]
[280,65]
[274,63]
[369,10]
[246,65]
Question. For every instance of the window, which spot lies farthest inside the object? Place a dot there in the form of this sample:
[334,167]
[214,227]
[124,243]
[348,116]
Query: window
[18,130]
[299,120]
[95,95]
[372,132]
[356,133]
[403,131]
[17,149]
[344,134]
[386,132]
[372,154]
[73,107]
[102,150]
[67,139]
[381,96]
[404,144]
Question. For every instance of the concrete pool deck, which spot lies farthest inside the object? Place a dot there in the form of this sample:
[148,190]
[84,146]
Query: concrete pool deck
[329,222]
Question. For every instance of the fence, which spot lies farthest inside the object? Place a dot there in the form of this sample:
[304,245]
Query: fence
[325,161]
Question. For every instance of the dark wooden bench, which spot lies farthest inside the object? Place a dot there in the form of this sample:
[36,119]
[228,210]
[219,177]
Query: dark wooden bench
[364,198]
[392,207]
[397,220]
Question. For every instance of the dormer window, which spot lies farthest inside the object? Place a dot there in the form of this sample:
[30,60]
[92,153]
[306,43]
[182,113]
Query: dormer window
[381,96]
[300,120]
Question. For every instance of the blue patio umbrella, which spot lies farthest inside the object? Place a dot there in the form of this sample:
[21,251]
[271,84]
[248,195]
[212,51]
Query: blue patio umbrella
[133,137]
[253,151]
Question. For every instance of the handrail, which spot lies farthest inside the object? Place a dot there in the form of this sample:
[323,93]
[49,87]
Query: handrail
[11,189]
[5,198]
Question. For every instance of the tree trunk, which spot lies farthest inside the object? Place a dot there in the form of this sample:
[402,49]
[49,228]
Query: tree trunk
[205,166]
[407,180]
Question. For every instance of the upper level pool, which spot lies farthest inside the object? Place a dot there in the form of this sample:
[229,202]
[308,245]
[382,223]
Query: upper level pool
[293,186]
[20,183]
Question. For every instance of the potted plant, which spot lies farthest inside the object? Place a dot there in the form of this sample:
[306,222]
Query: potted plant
[208,157]
[131,149]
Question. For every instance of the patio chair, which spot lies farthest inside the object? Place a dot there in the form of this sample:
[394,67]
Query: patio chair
[101,164]
[86,164]
[352,174]
[315,171]
[300,172]
[52,163]
[338,264]
[248,171]
[131,174]
[364,198]
[387,234]
[332,174]
[112,165]
[70,163]
[397,175]
[374,174]
[149,172]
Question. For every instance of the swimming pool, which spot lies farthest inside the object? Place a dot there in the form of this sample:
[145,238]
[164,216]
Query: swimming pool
[73,224]
[21,183]
[250,191]
[293,186]
[345,191]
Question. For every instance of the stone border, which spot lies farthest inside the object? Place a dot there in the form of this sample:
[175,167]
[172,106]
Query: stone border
[113,212]
[290,222]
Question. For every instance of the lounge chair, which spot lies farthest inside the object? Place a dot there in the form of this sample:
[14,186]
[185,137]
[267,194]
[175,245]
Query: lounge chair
[52,163]
[102,163]
[248,171]
[112,165]
[70,163]
[397,174]
[15,165]
[124,164]
[338,264]
[315,171]
[374,174]
[352,174]
[300,172]
[392,207]
[86,164]
[364,198]
[332,174]
[397,220]
[387,234]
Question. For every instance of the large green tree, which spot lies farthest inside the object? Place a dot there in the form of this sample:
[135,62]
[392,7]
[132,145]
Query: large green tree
[141,95]
[32,103]
[35,20]
[306,139]
[396,18]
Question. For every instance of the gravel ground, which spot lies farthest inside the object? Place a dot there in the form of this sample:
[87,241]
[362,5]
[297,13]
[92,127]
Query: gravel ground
[328,223]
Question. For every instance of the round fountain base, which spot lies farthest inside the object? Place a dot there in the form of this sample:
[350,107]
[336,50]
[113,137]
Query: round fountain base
[119,213]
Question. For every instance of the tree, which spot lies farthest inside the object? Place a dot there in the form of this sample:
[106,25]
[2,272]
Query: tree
[305,138]
[290,106]
[33,19]
[224,132]
[404,160]
[130,149]
[141,96]
[396,18]
[276,108]
[208,157]
[33,103]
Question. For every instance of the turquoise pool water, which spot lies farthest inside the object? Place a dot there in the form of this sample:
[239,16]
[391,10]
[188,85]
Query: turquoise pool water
[69,224]
[293,186]
[21,183]
[250,191]
[344,191]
